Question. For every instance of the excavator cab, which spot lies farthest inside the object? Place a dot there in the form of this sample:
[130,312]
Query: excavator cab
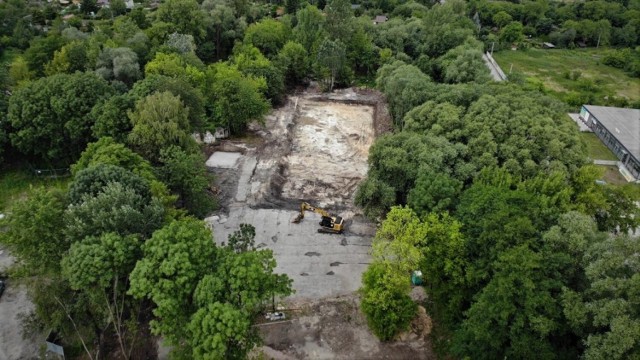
[331,225]
[328,225]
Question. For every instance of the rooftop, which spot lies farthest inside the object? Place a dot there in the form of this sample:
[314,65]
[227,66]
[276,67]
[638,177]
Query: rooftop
[623,123]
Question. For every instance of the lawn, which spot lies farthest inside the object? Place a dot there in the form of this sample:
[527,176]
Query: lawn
[597,150]
[554,68]
[612,176]
[15,184]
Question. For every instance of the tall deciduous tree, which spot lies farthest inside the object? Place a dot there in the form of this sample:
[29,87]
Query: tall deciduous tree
[119,64]
[268,36]
[186,176]
[49,117]
[235,99]
[175,259]
[184,14]
[35,231]
[115,209]
[331,59]
[607,312]
[159,120]
[100,265]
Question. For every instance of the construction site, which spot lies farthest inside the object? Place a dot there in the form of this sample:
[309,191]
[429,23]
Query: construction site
[313,150]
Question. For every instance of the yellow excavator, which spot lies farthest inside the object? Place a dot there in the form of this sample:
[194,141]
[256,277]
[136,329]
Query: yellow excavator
[329,225]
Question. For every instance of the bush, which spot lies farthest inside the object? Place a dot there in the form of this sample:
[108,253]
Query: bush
[388,308]
[617,58]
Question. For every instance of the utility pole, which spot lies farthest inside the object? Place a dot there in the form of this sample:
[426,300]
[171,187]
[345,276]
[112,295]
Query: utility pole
[492,44]
[598,44]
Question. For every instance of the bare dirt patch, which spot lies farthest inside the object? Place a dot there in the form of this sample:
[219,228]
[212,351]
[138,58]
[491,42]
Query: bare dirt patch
[337,329]
[330,145]
[314,148]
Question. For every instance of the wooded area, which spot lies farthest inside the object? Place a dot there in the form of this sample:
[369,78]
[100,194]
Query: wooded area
[485,187]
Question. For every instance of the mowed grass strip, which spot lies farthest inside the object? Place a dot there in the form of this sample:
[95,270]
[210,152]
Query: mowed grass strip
[552,65]
[596,149]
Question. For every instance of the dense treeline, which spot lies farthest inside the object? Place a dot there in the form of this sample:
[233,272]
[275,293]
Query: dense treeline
[497,206]
[500,211]
[565,24]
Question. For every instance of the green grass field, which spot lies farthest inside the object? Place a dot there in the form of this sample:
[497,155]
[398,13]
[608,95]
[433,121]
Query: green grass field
[552,66]
[597,150]
[15,185]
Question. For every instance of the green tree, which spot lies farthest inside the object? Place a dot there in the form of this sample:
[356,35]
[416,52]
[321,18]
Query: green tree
[109,152]
[89,6]
[309,31]
[235,99]
[375,196]
[224,26]
[49,117]
[444,265]
[118,7]
[388,309]
[175,259]
[607,312]
[191,97]
[41,51]
[268,35]
[512,33]
[405,87]
[92,179]
[115,209]
[111,117]
[119,64]
[185,175]
[69,59]
[35,231]
[19,71]
[515,315]
[242,240]
[181,43]
[464,64]
[396,254]
[220,331]
[331,59]
[339,19]
[159,121]
[293,61]
[252,63]
[501,19]
[434,192]
[292,6]
[100,265]
[185,15]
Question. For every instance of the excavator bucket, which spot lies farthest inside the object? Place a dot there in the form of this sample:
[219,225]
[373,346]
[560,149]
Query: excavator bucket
[298,218]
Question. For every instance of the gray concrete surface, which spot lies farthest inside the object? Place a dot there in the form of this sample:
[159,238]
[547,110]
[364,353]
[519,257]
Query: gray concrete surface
[13,303]
[223,160]
[320,265]
[496,73]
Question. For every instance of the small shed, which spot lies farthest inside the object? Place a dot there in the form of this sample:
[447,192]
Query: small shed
[380,19]
[548,45]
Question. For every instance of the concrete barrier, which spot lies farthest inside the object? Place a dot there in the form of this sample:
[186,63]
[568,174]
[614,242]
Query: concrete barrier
[496,66]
